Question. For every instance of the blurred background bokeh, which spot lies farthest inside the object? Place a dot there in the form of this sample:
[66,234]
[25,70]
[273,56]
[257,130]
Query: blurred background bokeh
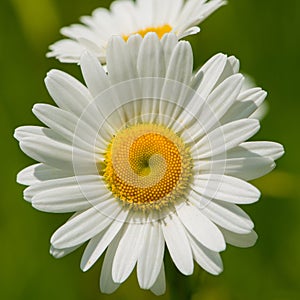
[264,35]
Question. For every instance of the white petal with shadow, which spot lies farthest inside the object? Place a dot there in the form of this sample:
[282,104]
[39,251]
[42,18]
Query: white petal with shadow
[224,138]
[240,240]
[225,188]
[68,93]
[98,244]
[201,227]
[159,287]
[214,108]
[178,244]
[209,260]
[59,253]
[128,251]
[247,168]
[94,74]
[86,224]
[227,215]
[40,172]
[107,285]
[265,149]
[151,257]
[68,194]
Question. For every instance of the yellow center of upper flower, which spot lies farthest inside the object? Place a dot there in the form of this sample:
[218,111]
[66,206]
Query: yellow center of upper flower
[160,31]
[147,166]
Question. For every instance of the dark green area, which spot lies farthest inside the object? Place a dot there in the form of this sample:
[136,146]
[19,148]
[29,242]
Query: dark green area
[264,35]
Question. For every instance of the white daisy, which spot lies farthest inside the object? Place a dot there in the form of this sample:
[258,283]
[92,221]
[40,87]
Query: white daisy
[126,18]
[147,155]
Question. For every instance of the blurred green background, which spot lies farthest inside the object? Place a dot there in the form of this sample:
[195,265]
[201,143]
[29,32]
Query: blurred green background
[264,35]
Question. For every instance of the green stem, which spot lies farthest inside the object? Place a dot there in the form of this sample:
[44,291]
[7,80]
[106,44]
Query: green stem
[181,287]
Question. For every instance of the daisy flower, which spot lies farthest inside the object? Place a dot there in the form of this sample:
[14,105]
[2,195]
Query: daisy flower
[148,157]
[126,18]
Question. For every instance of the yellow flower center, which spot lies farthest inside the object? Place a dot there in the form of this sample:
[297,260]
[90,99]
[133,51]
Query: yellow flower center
[147,167]
[160,31]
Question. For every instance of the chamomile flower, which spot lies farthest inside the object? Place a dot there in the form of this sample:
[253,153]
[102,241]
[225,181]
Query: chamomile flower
[149,158]
[126,18]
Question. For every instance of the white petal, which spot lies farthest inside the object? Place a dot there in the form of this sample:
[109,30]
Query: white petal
[119,65]
[146,6]
[159,287]
[98,244]
[124,12]
[224,95]
[180,66]
[169,42]
[107,285]
[209,260]
[240,240]
[76,31]
[122,71]
[134,44]
[235,64]
[204,82]
[103,19]
[225,138]
[66,51]
[201,227]
[94,74]
[248,166]
[163,11]
[190,31]
[25,132]
[59,253]
[246,107]
[67,92]
[216,105]
[178,244]
[151,67]
[67,194]
[265,149]
[150,62]
[252,93]
[231,68]
[227,215]
[64,123]
[40,172]
[178,76]
[211,71]
[54,153]
[151,257]
[195,11]
[128,251]
[86,225]
[261,111]
[252,160]
[93,45]
[211,6]
[225,188]
[173,9]
[44,145]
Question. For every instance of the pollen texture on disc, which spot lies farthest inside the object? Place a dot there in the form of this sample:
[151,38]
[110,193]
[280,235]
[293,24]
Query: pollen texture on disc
[147,166]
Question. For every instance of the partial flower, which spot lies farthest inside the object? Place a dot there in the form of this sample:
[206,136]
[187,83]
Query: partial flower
[126,18]
[147,155]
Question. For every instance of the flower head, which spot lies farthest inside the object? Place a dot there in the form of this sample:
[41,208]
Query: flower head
[148,155]
[126,18]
